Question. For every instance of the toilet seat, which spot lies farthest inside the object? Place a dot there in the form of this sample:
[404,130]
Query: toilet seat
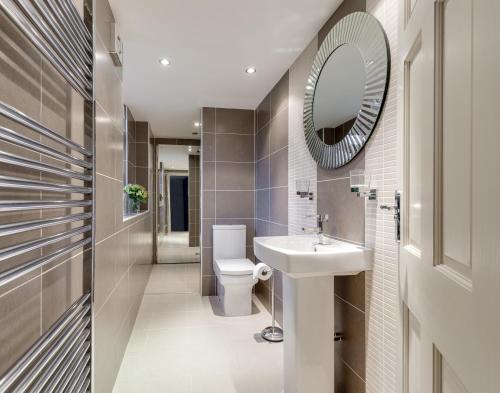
[234,267]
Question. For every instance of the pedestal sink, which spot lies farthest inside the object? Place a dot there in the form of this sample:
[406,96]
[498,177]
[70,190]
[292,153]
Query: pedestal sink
[308,303]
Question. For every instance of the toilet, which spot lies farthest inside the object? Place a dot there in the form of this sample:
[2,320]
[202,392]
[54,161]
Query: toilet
[233,270]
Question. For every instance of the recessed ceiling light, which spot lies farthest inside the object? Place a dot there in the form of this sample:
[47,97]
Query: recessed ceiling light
[197,124]
[164,61]
[251,70]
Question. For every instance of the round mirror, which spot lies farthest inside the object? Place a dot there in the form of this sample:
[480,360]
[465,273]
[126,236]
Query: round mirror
[346,90]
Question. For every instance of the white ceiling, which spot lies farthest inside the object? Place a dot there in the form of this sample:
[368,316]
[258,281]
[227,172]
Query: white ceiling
[210,43]
[175,156]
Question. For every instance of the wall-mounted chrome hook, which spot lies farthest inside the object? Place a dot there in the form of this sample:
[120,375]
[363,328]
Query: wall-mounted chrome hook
[397,213]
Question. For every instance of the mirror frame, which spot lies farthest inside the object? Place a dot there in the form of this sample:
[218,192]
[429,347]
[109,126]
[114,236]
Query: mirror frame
[366,33]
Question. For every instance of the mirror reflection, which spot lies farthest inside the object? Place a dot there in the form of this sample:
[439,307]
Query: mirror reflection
[339,94]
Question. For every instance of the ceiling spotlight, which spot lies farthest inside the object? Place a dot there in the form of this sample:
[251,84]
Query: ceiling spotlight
[190,148]
[164,61]
[251,70]
[197,124]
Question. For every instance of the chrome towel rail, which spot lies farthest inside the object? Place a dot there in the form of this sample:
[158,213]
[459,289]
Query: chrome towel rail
[25,226]
[70,59]
[23,119]
[79,310]
[14,137]
[12,159]
[69,363]
[83,56]
[11,206]
[23,248]
[47,162]
[72,331]
[22,184]
[77,341]
[20,270]
[82,86]
[75,17]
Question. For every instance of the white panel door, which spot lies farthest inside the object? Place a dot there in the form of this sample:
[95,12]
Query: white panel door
[450,244]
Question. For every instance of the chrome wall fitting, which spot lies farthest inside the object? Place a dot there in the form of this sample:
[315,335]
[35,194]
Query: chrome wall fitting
[397,214]
[272,333]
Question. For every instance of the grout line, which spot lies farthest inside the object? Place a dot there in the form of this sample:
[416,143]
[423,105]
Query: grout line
[350,368]
[349,303]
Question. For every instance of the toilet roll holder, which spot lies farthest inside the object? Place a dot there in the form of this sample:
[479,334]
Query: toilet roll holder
[272,333]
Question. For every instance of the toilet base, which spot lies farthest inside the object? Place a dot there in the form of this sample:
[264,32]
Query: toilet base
[236,296]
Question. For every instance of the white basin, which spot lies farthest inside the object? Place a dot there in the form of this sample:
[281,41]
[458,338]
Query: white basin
[308,303]
[302,256]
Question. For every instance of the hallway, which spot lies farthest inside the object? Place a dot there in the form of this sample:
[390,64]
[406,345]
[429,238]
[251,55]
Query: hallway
[173,247]
[181,344]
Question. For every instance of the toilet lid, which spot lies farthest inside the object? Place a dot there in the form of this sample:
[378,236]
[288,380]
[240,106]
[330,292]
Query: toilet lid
[235,267]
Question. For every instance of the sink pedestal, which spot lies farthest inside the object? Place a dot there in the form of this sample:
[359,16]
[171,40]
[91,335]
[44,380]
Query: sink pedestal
[308,317]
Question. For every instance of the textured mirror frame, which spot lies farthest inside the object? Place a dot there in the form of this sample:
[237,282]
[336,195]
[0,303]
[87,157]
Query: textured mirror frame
[366,33]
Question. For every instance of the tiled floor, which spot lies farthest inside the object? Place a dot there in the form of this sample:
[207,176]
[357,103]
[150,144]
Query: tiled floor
[181,344]
[174,247]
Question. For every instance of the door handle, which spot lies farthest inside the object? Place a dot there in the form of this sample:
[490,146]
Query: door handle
[397,214]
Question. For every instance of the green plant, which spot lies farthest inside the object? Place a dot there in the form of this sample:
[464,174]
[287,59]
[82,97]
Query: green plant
[137,194]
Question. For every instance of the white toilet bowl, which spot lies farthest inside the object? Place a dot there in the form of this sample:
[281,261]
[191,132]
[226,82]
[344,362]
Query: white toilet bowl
[233,270]
[235,283]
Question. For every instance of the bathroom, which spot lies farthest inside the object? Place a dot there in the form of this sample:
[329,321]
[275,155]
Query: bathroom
[259,197]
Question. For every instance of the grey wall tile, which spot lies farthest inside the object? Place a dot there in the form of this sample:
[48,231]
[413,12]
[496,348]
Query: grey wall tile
[279,95]
[208,119]
[261,228]
[234,204]
[208,146]
[262,205]
[208,204]
[351,289]
[234,176]
[236,148]
[240,121]
[206,228]
[208,176]
[262,173]
[262,143]
[278,206]
[279,168]
[263,113]
[351,322]
[345,209]
[278,130]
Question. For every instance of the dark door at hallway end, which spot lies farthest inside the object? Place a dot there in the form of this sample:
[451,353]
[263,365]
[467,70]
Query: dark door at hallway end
[179,209]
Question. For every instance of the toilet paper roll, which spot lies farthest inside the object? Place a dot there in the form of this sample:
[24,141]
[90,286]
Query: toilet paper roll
[262,272]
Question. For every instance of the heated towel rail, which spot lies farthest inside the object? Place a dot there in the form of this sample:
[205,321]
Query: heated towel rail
[60,359]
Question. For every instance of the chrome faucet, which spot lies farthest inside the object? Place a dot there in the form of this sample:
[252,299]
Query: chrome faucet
[319,229]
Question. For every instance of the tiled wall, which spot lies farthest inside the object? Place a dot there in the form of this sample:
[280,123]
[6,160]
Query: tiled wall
[227,179]
[271,177]
[30,304]
[194,201]
[382,300]
[123,248]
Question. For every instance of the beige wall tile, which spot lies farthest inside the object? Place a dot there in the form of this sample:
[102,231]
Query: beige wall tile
[20,318]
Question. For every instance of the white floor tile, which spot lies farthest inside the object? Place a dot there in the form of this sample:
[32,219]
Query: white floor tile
[182,344]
